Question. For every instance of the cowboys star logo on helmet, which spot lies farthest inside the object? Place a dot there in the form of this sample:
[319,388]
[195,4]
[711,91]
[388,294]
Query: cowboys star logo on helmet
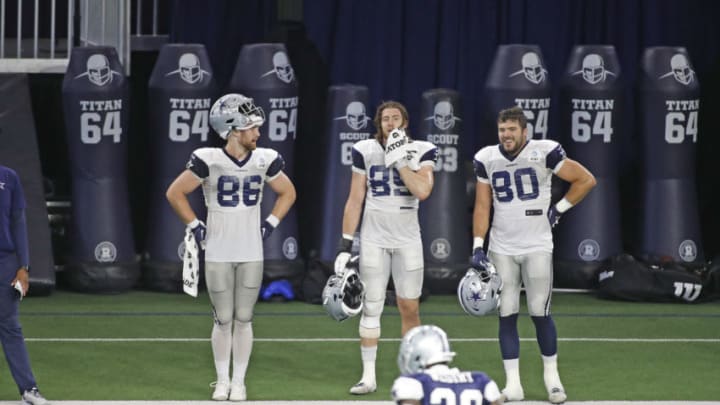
[479,291]
[189,69]
[593,69]
[443,116]
[680,69]
[281,67]
[532,68]
[355,116]
[98,70]
[235,112]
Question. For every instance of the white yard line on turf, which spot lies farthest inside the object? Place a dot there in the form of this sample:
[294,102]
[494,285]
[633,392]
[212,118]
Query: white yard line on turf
[357,402]
[323,340]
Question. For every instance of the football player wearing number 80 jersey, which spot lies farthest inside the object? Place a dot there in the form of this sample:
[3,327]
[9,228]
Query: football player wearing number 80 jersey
[514,178]
[232,180]
[390,175]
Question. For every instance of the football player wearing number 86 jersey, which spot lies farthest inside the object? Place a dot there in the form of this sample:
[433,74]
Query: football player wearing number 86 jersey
[391,174]
[514,178]
[232,180]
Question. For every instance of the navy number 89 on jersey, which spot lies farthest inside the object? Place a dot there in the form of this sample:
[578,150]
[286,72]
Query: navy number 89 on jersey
[383,181]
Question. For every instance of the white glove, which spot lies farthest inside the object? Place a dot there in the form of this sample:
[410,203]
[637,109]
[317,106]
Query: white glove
[409,160]
[341,261]
[395,146]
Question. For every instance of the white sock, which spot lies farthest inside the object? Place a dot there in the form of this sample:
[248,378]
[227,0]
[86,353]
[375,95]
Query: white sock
[221,342]
[242,341]
[550,372]
[368,355]
[512,373]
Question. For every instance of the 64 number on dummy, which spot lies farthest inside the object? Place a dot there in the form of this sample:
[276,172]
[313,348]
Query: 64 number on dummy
[94,125]
[183,123]
[282,122]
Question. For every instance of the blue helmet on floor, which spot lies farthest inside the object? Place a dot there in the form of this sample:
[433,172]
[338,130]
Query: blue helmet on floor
[281,288]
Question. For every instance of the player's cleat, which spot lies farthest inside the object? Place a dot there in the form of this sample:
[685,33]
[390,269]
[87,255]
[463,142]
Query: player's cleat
[238,392]
[33,397]
[557,396]
[514,393]
[363,388]
[222,390]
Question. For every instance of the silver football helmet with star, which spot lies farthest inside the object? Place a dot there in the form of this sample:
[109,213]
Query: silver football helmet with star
[235,112]
[479,291]
[423,346]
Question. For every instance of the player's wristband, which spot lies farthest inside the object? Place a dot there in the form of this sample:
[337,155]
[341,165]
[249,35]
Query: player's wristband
[273,220]
[192,224]
[346,243]
[563,205]
[478,242]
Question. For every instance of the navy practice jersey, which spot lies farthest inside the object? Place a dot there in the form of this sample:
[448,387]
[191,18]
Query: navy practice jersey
[521,190]
[233,192]
[440,384]
[11,199]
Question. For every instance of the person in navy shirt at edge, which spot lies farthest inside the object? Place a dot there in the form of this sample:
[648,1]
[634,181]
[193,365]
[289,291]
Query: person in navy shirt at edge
[14,284]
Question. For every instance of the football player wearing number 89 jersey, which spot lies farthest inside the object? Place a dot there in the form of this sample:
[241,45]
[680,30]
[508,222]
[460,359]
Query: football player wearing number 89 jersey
[390,175]
[514,178]
[232,180]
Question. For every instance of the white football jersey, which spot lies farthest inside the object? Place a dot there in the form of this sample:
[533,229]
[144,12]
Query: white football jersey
[390,216]
[521,189]
[233,191]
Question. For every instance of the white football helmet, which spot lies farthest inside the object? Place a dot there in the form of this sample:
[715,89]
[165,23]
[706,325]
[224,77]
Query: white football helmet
[235,111]
[423,346]
[343,295]
[479,291]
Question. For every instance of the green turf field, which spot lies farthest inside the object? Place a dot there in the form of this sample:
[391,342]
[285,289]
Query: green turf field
[155,346]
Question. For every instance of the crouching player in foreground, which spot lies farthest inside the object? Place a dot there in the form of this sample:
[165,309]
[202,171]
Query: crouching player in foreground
[427,379]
